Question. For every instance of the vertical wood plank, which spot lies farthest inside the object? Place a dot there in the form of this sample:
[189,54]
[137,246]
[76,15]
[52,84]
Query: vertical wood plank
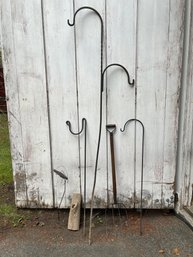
[60,51]
[73,66]
[187,184]
[12,94]
[29,55]
[121,48]
[88,31]
[184,178]
[173,80]
[152,52]
[157,93]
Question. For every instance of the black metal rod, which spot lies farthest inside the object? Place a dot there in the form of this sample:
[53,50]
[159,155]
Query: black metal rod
[102,27]
[85,138]
[84,127]
[131,83]
[121,66]
[68,123]
[100,122]
[100,103]
[142,163]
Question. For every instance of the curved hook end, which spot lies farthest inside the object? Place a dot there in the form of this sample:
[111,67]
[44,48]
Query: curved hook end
[68,122]
[69,23]
[122,130]
[132,83]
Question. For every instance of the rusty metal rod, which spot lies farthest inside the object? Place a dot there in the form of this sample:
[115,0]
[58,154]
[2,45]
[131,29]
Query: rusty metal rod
[142,164]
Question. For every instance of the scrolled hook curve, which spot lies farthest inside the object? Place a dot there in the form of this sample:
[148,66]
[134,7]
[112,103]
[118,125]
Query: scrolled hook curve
[84,7]
[100,123]
[68,123]
[127,122]
[142,161]
[121,66]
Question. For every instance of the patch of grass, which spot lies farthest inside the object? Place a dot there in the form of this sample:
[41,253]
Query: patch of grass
[9,214]
[6,175]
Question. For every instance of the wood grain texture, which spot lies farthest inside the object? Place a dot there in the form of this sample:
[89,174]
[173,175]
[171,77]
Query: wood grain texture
[12,94]
[121,49]
[74,214]
[29,56]
[185,170]
[146,37]
[158,79]
[173,84]
[60,51]
[88,47]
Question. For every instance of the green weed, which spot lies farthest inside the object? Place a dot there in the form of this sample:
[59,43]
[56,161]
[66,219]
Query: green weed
[10,213]
[6,176]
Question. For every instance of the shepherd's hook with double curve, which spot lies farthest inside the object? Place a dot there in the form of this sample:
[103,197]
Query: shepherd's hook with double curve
[131,83]
[100,103]
[100,123]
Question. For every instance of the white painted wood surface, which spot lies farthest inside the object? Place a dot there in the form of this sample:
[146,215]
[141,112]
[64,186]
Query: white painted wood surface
[59,38]
[158,79]
[145,36]
[184,179]
[28,113]
[121,49]
[12,92]
[88,45]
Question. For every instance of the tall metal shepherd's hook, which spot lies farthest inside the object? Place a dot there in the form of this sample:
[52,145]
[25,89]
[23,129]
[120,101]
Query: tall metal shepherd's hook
[99,138]
[102,28]
[101,90]
[142,161]
[100,122]
[84,127]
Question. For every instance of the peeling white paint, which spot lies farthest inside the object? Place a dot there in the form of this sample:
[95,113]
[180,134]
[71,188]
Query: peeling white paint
[146,37]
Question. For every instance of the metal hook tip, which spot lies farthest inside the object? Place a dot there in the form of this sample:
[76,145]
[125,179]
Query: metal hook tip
[132,83]
[69,23]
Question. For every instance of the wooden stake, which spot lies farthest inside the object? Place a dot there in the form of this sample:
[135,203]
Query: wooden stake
[74,215]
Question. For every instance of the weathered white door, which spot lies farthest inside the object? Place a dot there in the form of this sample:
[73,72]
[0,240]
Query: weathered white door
[57,70]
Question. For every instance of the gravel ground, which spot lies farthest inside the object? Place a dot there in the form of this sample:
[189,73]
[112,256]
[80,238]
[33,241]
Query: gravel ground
[163,235]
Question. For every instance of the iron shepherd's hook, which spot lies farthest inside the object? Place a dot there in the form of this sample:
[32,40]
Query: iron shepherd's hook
[100,121]
[121,66]
[84,127]
[102,29]
[68,123]
[142,163]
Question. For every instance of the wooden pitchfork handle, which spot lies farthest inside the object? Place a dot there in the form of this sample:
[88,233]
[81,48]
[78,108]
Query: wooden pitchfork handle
[111,129]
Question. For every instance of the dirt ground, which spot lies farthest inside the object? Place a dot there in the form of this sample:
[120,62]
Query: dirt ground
[44,233]
[107,225]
